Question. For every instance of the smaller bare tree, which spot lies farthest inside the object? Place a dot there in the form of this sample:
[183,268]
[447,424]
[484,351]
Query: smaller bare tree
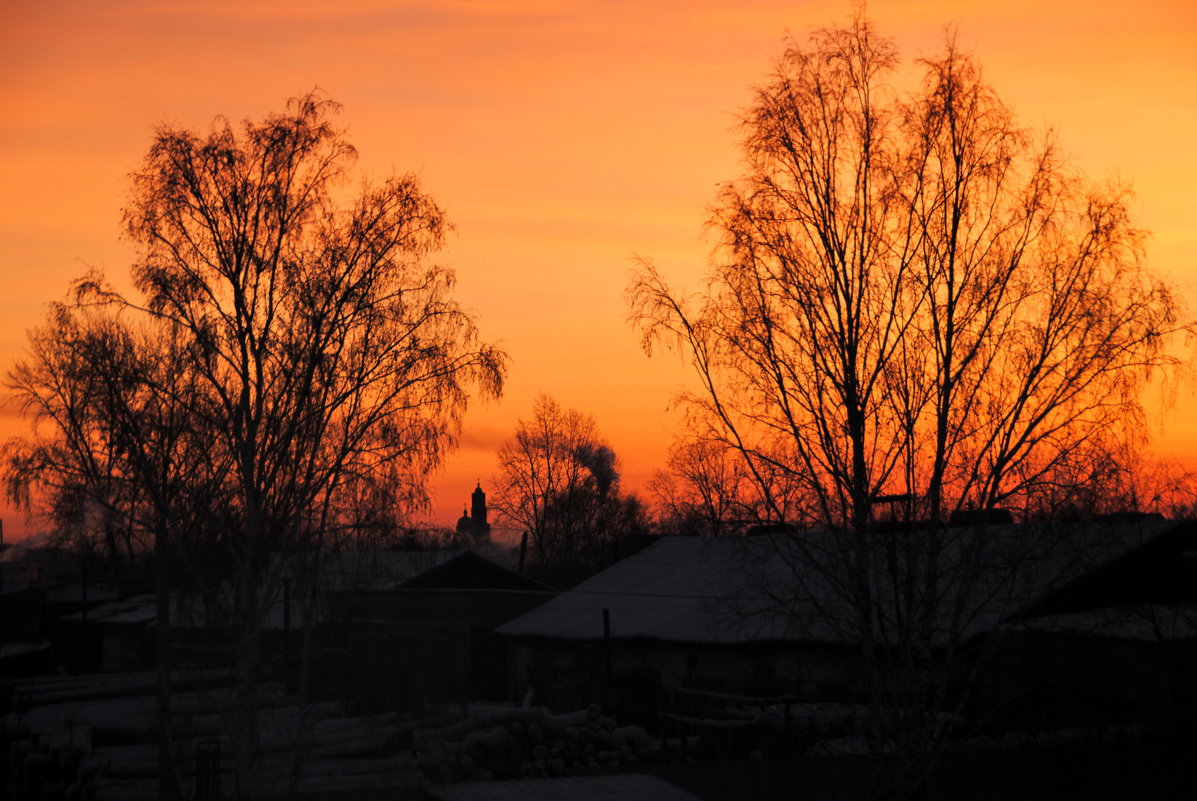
[559,484]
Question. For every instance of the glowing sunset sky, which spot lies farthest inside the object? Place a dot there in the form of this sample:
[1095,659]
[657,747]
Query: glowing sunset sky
[563,138]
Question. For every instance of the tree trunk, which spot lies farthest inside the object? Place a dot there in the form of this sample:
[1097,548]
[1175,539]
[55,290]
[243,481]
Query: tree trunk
[169,787]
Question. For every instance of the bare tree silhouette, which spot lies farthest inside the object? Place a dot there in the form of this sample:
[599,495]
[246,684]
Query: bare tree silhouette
[706,489]
[912,297]
[287,344]
[559,483]
[915,303]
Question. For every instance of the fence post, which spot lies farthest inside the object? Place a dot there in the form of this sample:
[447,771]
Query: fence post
[207,770]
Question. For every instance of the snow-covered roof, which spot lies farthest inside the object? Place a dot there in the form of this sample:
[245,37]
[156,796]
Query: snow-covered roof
[685,589]
[1145,623]
[371,569]
[14,576]
[137,610]
[613,787]
[77,594]
[806,586]
[12,650]
[339,571]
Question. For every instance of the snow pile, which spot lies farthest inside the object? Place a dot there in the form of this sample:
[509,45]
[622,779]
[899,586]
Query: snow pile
[100,733]
[503,742]
[1112,734]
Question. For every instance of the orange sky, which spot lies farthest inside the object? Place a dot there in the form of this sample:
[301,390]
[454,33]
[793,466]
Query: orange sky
[564,139]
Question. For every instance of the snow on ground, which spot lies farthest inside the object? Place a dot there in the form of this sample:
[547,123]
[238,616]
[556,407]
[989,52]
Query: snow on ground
[613,787]
[104,728]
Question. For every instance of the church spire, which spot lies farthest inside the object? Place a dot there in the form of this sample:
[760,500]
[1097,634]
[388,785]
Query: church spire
[474,522]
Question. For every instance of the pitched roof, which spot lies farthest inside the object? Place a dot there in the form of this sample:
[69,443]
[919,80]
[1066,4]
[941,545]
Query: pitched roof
[1151,623]
[1163,570]
[807,586]
[684,589]
[469,570]
[137,610]
[364,570]
[369,569]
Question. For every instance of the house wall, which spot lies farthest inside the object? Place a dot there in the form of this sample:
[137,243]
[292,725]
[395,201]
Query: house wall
[399,649]
[1054,680]
[473,606]
[568,675]
[395,668]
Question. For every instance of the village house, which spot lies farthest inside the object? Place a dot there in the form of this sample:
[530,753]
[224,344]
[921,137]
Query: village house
[772,616]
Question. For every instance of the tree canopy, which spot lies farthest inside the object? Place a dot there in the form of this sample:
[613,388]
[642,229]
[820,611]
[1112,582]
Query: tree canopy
[559,484]
[295,330]
[913,296]
[290,361]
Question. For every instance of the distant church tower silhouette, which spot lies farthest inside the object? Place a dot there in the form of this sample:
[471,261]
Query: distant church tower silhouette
[474,524]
